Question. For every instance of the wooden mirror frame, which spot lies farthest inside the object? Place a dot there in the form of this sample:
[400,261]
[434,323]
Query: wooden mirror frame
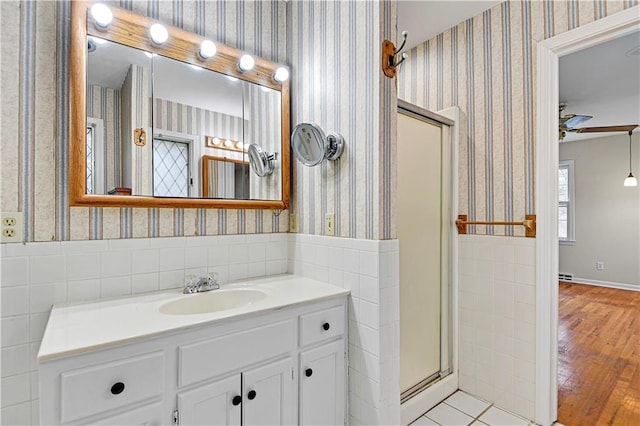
[205,170]
[130,29]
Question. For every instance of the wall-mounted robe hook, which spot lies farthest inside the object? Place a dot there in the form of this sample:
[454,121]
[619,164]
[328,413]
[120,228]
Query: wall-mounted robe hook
[390,56]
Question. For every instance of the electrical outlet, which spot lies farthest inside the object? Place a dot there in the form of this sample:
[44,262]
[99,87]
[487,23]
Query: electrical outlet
[11,227]
[600,266]
[329,224]
[293,222]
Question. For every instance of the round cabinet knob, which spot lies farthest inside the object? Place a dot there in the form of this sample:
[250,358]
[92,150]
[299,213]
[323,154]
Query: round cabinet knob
[251,395]
[236,400]
[326,326]
[117,388]
[308,372]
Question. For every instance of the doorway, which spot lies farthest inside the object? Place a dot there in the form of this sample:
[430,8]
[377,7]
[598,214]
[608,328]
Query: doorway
[547,163]
[424,234]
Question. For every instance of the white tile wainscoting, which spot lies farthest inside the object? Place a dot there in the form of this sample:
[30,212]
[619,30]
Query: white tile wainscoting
[497,320]
[369,268]
[37,275]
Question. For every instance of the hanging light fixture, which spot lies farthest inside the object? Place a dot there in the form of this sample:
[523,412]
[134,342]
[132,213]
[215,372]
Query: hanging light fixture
[630,180]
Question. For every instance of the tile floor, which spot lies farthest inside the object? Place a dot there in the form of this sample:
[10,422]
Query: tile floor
[462,409]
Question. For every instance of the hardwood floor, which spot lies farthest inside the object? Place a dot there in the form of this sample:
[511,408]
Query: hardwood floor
[599,356]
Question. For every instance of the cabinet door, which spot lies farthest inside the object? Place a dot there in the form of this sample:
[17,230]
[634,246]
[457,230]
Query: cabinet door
[211,404]
[268,394]
[322,385]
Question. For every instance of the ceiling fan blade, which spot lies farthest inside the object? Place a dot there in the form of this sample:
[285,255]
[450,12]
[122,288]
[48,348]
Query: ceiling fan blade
[626,128]
[573,121]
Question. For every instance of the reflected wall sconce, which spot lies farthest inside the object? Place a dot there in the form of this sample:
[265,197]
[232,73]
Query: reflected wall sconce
[102,15]
[391,57]
[226,144]
[631,180]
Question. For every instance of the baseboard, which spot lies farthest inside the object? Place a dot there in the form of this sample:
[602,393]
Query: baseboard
[621,286]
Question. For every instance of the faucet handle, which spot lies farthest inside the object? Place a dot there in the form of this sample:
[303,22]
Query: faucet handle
[213,277]
[190,284]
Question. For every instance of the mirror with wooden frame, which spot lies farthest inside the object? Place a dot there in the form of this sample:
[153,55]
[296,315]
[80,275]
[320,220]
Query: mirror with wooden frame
[143,112]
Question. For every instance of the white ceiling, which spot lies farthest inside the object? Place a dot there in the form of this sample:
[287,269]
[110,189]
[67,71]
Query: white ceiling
[604,82]
[424,19]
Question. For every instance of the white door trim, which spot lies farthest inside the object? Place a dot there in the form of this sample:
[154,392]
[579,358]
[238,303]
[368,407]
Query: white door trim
[611,27]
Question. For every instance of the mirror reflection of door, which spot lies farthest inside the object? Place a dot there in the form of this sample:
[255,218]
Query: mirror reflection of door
[171,168]
[95,145]
[225,178]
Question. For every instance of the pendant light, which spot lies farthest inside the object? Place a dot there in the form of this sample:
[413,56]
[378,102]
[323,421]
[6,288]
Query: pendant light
[630,180]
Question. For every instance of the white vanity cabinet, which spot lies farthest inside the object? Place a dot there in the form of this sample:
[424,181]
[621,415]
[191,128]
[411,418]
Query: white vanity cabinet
[279,367]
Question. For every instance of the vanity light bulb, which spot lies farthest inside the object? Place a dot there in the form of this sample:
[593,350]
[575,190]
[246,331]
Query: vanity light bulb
[159,33]
[102,15]
[207,49]
[228,143]
[216,141]
[281,75]
[246,63]
[239,145]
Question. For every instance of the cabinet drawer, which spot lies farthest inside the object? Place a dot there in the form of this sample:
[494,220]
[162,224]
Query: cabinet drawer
[211,358]
[93,390]
[321,325]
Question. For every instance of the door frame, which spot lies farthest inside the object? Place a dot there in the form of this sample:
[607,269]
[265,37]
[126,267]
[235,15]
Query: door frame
[546,187]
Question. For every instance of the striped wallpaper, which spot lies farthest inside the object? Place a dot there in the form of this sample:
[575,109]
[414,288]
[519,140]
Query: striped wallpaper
[486,66]
[334,51]
[104,103]
[264,128]
[35,109]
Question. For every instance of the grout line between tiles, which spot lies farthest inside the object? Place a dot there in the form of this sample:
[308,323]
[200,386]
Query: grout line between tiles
[480,415]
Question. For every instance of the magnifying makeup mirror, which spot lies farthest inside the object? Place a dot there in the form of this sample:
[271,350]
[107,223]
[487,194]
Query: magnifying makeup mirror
[311,146]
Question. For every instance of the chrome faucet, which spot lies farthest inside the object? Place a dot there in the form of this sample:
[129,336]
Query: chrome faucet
[208,283]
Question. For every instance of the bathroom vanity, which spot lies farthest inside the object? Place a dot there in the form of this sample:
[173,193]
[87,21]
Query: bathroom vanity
[265,351]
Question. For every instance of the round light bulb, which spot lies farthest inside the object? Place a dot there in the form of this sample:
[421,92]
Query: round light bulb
[239,145]
[207,49]
[246,63]
[159,33]
[228,143]
[631,181]
[281,75]
[216,141]
[102,15]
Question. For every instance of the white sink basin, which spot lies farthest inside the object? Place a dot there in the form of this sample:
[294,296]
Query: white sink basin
[212,301]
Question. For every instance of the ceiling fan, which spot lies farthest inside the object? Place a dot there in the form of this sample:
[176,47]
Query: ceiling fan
[570,123]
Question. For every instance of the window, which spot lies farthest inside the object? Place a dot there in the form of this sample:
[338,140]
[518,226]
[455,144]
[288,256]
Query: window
[566,203]
[171,176]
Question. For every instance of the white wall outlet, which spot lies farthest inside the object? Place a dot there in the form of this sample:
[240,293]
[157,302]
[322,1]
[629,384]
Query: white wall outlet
[293,222]
[600,266]
[11,227]
[329,224]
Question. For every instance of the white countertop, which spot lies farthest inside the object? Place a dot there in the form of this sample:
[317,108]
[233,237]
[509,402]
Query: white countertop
[78,328]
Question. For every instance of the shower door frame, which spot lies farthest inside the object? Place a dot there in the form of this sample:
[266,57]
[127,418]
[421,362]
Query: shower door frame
[437,390]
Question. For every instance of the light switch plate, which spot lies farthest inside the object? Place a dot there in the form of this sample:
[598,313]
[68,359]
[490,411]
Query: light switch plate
[600,266]
[293,222]
[11,227]
[329,224]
